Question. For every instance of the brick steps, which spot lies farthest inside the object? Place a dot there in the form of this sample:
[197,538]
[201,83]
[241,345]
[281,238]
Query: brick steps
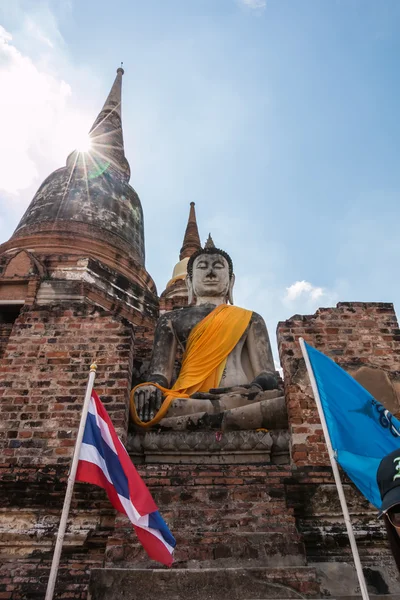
[221,516]
[215,549]
[286,583]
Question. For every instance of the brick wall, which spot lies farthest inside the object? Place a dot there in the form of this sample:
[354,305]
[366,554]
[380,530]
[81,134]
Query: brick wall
[31,500]
[172,303]
[5,332]
[43,375]
[363,338]
[311,493]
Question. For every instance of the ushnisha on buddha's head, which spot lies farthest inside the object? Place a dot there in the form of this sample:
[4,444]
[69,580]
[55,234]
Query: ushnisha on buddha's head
[210,277]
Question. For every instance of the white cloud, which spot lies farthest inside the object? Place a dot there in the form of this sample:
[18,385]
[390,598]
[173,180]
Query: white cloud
[254,4]
[35,117]
[303,296]
[42,113]
[303,288]
[37,33]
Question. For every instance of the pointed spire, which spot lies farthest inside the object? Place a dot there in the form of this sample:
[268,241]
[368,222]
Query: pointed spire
[106,139]
[191,240]
[113,102]
[209,243]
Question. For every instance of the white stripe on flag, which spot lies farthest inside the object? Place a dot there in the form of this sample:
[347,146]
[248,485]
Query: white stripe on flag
[102,425]
[90,454]
[133,514]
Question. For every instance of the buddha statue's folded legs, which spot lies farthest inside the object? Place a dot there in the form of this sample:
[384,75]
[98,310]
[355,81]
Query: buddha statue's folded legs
[232,411]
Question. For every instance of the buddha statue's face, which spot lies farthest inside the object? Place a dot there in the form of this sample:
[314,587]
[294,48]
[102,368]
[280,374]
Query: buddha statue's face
[211,276]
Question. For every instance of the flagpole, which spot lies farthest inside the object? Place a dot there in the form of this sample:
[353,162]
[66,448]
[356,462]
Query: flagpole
[70,487]
[336,474]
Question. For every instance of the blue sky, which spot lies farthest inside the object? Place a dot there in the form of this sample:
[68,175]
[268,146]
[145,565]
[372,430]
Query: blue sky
[277,117]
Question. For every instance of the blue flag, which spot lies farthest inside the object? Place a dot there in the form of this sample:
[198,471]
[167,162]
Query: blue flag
[362,431]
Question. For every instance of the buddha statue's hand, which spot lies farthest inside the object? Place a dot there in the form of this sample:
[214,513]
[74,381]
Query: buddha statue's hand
[148,400]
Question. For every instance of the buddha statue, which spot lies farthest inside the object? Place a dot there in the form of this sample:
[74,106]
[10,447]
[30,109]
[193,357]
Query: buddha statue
[227,378]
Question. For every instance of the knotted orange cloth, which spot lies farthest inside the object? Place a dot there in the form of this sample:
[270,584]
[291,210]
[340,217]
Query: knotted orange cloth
[208,347]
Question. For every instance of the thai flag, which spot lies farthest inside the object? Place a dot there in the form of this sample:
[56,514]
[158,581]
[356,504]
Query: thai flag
[104,461]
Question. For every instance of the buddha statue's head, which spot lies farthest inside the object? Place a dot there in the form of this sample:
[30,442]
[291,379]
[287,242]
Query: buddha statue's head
[210,275]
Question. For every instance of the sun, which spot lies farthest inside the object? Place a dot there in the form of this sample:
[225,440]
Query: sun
[84,144]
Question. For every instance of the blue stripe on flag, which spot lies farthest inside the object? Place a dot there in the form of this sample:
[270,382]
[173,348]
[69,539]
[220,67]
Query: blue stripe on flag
[362,431]
[157,522]
[92,436]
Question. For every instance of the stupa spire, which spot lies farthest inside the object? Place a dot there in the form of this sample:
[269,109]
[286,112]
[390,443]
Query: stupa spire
[106,138]
[191,243]
[191,240]
[113,102]
[210,242]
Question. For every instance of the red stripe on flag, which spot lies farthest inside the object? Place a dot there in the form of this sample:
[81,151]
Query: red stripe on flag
[154,547]
[90,473]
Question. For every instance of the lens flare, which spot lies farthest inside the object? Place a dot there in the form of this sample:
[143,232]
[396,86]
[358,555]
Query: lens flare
[84,144]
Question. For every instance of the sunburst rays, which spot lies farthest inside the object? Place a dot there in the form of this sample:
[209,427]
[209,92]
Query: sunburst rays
[94,155]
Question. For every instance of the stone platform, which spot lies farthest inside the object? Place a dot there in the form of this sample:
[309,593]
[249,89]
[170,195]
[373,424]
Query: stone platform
[336,581]
[208,549]
[210,447]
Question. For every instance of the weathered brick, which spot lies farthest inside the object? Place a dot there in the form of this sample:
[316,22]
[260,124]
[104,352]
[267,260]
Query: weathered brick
[50,383]
[354,334]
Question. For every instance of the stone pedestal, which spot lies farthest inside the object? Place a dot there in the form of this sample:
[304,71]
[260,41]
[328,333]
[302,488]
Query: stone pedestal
[210,447]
